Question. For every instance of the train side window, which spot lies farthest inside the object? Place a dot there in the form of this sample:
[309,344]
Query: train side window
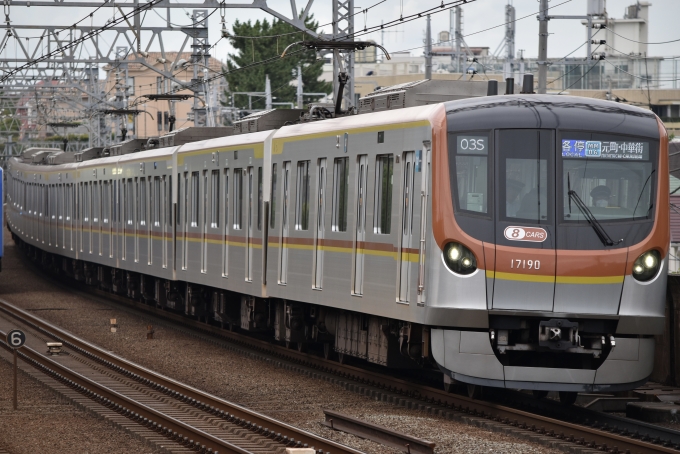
[157,202]
[340,189]
[272,200]
[195,199]
[169,198]
[238,198]
[259,198]
[129,201]
[302,196]
[226,200]
[141,202]
[382,216]
[86,205]
[215,199]
[471,171]
[96,201]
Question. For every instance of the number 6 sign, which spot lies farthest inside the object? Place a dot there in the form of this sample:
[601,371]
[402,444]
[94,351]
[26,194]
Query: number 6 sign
[16,338]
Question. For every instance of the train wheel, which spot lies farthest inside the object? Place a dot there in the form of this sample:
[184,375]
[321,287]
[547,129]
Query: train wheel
[568,397]
[539,394]
[474,391]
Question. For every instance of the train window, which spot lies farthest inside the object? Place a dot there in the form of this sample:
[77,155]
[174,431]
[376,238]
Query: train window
[226,200]
[141,202]
[302,200]
[96,201]
[340,188]
[157,202]
[259,198]
[238,198]
[215,199]
[613,176]
[272,199]
[168,194]
[195,199]
[524,163]
[382,216]
[471,170]
[129,202]
[87,197]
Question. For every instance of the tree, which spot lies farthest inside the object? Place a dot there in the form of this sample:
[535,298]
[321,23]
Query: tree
[268,41]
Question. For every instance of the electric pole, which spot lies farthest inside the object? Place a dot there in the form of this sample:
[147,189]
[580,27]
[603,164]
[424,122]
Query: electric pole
[428,50]
[542,47]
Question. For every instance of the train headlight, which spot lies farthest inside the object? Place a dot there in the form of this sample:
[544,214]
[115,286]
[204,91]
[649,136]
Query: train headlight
[459,259]
[647,266]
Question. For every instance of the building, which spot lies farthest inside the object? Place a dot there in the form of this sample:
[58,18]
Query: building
[130,82]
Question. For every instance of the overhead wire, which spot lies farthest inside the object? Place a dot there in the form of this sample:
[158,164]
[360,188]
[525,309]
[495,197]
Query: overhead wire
[640,42]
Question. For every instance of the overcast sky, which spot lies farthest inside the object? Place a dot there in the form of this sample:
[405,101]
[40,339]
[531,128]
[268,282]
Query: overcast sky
[565,35]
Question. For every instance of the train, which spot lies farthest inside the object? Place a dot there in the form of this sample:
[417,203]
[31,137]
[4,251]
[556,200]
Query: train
[510,241]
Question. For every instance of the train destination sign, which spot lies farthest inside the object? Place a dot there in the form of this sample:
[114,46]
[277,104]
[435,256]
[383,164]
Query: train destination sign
[605,149]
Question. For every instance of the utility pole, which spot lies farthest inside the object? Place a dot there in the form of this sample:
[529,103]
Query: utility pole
[459,35]
[542,47]
[428,50]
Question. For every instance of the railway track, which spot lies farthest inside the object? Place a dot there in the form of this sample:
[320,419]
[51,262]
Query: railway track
[185,416]
[547,419]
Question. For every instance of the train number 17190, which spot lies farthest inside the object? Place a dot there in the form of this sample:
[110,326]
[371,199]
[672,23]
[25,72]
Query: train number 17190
[525,264]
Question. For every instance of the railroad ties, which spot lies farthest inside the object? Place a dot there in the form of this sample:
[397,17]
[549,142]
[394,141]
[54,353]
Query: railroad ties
[165,412]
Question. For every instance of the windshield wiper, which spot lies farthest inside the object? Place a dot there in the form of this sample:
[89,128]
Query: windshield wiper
[590,217]
[640,196]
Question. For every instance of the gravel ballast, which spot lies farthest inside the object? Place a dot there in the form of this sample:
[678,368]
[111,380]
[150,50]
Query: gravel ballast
[289,396]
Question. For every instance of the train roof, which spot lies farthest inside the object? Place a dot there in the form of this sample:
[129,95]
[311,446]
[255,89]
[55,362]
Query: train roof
[550,112]
[376,119]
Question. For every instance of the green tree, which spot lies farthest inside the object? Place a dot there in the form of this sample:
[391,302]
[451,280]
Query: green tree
[269,39]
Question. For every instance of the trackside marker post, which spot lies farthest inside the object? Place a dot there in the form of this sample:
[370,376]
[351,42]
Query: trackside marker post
[15,339]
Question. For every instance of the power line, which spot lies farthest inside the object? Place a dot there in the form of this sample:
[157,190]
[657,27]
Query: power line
[641,42]
[482,31]
[82,39]
[641,78]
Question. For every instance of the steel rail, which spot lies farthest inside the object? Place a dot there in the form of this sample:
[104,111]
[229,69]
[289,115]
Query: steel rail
[523,419]
[578,433]
[370,431]
[123,404]
[203,400]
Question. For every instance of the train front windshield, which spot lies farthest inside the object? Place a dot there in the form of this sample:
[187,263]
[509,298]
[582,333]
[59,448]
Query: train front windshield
[613,176]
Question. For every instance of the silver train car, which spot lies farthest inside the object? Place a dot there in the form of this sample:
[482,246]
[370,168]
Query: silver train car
[514,241]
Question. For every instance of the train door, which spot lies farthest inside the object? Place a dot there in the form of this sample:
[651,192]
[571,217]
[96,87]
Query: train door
[525,263]
[360,225]
[283,249]
[62,214]
[249,224]
[407,198]
[320,223]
